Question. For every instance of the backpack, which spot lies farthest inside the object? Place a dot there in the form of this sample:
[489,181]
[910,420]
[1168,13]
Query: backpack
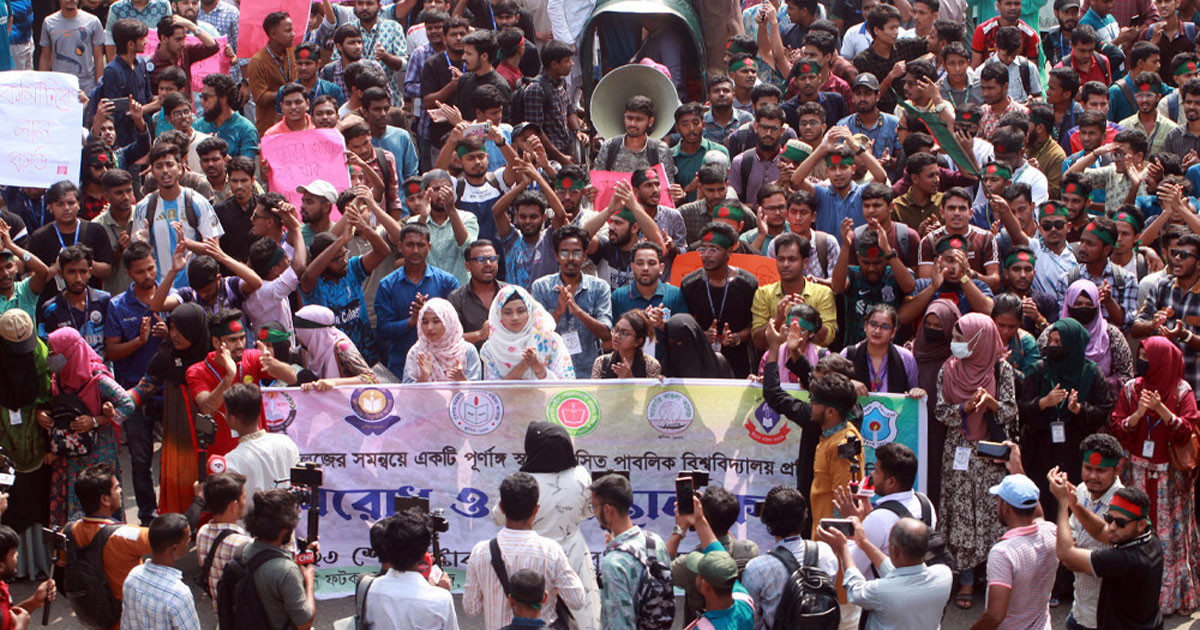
[85,584]
[360,600]
[238,605]
[565,620]
[610,154]
[809,599]
[654,599]
[1120,278]
[526,87]
[1026,83]
[488,178]
[201,578]
[937,553]
[189,210]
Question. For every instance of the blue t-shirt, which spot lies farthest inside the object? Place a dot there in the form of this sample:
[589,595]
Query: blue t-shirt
[344,297]
[6,61]
[124,321]
[522,260]
[57,313]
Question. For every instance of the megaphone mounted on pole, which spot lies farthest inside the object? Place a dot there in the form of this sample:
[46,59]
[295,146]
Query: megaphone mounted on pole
[607,106]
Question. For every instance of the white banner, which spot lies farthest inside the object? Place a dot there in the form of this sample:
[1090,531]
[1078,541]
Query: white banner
[41,122]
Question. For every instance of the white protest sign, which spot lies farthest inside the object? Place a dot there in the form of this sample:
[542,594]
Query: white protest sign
[40,128]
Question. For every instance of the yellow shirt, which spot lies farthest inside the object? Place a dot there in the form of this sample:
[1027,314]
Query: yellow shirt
[816,295]
[829,472]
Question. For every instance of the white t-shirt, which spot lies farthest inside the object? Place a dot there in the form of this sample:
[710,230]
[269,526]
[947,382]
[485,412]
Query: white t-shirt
[164,214]
[878,527]
[263,459]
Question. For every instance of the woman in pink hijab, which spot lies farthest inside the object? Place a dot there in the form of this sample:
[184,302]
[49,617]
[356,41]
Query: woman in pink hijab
[82,417]
[440,353]
[329,353]
[977,400]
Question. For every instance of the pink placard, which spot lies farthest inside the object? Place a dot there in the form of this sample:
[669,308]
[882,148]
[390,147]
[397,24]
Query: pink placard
[605,183]
[215,64]
[252,37]
[299,157]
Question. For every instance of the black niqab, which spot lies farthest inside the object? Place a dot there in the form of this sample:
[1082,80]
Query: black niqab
[687,353]
[170,364]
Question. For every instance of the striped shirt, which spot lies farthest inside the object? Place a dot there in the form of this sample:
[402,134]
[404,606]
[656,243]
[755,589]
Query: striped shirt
[157,599]
[1087,586]
[225,553]
[521,549]
[1025,562]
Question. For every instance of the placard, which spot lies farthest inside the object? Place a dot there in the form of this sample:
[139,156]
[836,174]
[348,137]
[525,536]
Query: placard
[761,267]
[213,64]
[252,37]
[41,122]
[605,183]
[299,157]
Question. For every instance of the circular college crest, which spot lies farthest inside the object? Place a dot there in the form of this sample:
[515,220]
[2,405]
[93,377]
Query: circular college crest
[371,404]
[670,412]
[879,424]
[280,411]
[476,412]
[577,411]
[765,426]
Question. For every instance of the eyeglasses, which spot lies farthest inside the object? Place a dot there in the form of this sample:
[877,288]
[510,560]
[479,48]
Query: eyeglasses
[204,96]
[1119,522]
[810,123]
[575,255]
[1182,253]
[485,259]
[621,332]
[181,113]
[1053,225]
[774,209]
[770,128]
[879,326]
[259,217]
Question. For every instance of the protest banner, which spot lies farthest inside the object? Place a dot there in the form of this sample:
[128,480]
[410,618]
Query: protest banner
[299,157]
[40,124]
[252,37]
[760,267]
[453,443]
[605,183]
[213,64]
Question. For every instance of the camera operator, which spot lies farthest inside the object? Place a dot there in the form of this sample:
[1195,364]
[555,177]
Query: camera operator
[262,457]
[16,617]
[893,477]
[404,598]
[521,548]
[840,448]
[721,509]
[285,589]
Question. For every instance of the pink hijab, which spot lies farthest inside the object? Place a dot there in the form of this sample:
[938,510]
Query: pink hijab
[321,343]
[446,351]
[961,377]
[1097,347]
[82,368]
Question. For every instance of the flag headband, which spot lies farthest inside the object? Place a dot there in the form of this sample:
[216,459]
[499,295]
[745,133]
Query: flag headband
[795,152]
[730,212]
[1104,235]
[272,335]
[1127,507]
[1128,218]
[803,323]
[739,64]
[1053,208]
[996,169]
[715,238]
[834,159]
[1097,459]
[232,327]
[1187,68]
[567,182]
[1019,257]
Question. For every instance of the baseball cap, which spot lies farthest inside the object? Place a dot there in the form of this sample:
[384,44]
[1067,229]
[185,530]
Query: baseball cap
[1018,491]
[1060,5]
[16,328]
[320,188]
[523,127]
[716,567]
[867,80]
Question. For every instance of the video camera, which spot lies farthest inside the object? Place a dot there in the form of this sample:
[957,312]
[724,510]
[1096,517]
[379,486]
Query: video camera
[852,449]
[306,480]
[206,434]
[437,520]
[56,541]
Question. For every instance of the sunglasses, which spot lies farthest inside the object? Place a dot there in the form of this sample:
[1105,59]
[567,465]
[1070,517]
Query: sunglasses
[485,259]
[576,255]
[1120,522]
[1053,225]
[1182,253]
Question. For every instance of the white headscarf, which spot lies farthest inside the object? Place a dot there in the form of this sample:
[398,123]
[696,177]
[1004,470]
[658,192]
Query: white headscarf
[446,351]
[505,348]
[321,342]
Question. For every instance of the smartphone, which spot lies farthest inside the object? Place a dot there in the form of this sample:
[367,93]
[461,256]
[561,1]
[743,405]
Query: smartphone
[477,130]
[120,106]
[684,490]
[993,450]
[844,525]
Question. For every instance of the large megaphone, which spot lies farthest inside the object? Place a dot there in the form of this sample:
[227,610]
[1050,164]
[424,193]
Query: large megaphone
[607,107]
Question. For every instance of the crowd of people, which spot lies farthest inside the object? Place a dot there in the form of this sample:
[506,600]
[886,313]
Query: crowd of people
[961,206]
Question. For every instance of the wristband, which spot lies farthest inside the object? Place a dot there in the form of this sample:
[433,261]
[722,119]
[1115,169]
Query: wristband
[678,531]
[95,423]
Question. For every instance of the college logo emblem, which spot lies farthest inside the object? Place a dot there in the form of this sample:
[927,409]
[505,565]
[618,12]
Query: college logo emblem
[577,411]
[879,424]
[280,411]
[670,413]
[372,409]
[476,412]
[765,426]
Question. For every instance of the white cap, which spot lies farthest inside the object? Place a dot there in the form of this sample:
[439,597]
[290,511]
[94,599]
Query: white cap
[320,188]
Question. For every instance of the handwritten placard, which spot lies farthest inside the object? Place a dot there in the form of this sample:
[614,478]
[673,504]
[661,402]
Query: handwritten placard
[40,128]
[761,267]
[299,157]
[214,64]
[605,183]
[252,37]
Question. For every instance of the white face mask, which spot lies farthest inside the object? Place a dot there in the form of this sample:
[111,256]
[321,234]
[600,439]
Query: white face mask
[960,349]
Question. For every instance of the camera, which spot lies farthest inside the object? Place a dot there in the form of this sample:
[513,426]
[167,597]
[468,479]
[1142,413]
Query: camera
[306,480]
[8,472]
[56,542]
[438,524]
[851,448]
[206,434]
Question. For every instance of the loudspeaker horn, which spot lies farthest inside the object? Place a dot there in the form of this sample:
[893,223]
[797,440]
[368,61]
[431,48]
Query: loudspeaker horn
[607,107]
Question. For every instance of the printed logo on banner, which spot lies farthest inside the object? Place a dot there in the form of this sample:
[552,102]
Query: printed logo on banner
[576,410]
[670,412]
[476,412]
[280,411]
[372,408]
[879,424]
[765,425]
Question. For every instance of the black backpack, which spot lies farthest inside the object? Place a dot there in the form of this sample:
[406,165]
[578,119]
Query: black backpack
[238,605]
[654,599]
[809,598]
[937,553]
[85,584]
[201,578]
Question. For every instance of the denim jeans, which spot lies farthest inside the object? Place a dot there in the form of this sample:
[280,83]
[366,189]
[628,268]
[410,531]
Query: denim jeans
[139,429]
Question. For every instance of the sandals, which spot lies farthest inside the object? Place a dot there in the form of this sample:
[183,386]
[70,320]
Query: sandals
[964,600]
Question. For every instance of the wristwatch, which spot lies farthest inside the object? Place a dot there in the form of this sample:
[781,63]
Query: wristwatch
[678,531]
[861,148]
[26,256]
[889,255]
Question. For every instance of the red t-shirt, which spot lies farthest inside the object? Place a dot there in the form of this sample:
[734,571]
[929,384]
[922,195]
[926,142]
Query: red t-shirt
[5,607]
[206,375]
[984,40]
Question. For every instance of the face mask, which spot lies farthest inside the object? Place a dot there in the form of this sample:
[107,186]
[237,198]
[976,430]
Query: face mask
[1056,353]
[960,349]
[1141,367]
[56,363]
[1083,314]
[934,336]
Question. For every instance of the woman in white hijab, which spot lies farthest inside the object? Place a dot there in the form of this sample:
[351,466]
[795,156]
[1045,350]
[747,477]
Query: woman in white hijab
[522,344]
[440,353]
[330,354]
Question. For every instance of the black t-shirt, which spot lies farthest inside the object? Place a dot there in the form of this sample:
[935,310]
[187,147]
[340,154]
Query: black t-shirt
[481,17]
[16,227]
[1131,581]
[46,241]
[471,82]
[236,222]
[705,304]
[435,76]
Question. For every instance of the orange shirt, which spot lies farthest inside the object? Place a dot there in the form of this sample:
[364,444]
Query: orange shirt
[124,549]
